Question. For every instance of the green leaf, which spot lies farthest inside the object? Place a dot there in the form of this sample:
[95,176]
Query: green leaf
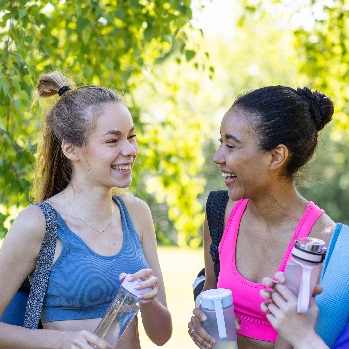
[189,54]
[21,13]
[6,88]
[17,104]
[86,35]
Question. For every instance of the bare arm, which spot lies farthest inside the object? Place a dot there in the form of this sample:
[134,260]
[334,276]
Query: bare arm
[199,335]
[18,257]
[156,317]
[19,252]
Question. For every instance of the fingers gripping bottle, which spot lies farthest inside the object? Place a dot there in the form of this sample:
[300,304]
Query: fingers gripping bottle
[217,304]
[120,312]
[302,269]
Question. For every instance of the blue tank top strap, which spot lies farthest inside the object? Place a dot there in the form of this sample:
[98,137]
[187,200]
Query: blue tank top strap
[125,217]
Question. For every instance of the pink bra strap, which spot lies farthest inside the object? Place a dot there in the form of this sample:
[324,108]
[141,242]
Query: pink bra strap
[234,218]
[310,216]
[238,210]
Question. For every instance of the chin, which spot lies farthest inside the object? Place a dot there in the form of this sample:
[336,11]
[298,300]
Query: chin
[123,184]
[234,195]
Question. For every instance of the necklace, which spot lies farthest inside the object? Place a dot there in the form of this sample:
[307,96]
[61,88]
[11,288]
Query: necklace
[83,221]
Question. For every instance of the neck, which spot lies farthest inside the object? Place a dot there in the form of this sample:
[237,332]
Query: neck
[86,201]
[276,203]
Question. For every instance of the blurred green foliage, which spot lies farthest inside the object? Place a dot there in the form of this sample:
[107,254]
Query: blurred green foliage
[178,85]
[107,42]
[321,45]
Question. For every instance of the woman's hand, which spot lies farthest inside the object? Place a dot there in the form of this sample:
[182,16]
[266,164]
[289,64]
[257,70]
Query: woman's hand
[281,309]
[147,280]
[197,333]
[83,340]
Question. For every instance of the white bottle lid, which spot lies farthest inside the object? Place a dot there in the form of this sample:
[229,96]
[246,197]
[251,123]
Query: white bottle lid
[130,286]
[209,296]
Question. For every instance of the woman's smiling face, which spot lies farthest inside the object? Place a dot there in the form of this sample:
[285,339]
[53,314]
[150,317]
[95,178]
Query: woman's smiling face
[111,148]
[242,163]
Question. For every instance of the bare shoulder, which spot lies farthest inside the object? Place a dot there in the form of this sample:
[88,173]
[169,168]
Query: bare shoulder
[30,223]
[323,228]
[24,238]
[135,205]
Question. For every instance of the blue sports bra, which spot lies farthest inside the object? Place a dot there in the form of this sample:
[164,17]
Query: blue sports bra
[83,283]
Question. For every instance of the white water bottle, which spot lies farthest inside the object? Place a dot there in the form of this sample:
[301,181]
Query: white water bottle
[217,304]
[121,311]
[302,269]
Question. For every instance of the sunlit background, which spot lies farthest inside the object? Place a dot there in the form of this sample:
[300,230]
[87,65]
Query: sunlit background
[180,65]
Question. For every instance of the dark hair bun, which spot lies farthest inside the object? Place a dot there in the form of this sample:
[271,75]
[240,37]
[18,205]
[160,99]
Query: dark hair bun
[320,106]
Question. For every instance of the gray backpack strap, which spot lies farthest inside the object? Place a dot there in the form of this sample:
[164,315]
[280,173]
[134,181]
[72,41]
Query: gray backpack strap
[41,274]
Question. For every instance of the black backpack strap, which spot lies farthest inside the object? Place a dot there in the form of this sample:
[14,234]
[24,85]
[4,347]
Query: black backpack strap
[39,280]
[215,211]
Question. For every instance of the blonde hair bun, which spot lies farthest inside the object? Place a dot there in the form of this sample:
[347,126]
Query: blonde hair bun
[49,84]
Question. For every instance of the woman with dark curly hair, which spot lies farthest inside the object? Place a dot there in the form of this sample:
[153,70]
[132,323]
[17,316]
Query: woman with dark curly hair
[266,137]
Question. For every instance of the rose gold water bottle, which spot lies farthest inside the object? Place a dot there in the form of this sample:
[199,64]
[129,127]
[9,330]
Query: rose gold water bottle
[302,269]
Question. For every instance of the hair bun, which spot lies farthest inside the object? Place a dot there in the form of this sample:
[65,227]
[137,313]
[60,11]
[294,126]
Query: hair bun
[52,83]
[320,106]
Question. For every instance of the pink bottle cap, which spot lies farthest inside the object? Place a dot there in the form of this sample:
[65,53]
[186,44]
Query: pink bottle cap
[130,286]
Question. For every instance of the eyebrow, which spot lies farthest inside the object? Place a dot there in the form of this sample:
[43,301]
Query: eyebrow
[229,136]
[117,132]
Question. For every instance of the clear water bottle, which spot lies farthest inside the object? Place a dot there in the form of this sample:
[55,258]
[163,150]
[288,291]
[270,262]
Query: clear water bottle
[217,304]
[302,269]
[120,312]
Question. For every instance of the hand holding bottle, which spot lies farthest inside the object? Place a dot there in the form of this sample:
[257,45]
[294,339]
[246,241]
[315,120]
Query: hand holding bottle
[82,340]
[146,281]
[302,269]
[133,292]
[281,306]
[197,331]
[217,304]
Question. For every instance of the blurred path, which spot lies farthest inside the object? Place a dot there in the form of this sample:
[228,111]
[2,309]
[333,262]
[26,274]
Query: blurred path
[179,268]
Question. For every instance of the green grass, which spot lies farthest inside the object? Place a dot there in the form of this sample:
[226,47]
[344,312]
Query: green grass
[179,268]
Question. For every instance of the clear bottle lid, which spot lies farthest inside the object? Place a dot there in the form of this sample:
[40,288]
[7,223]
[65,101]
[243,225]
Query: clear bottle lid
[209,296]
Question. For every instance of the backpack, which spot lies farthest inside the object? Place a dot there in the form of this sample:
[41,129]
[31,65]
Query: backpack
[215,210]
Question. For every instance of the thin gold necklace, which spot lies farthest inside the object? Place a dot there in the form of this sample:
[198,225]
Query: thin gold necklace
[83,221]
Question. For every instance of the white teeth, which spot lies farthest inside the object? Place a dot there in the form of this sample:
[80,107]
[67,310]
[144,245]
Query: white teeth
[122,167]
[228,175]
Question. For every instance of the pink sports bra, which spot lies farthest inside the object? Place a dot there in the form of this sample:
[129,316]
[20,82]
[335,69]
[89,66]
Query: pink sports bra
[247,301]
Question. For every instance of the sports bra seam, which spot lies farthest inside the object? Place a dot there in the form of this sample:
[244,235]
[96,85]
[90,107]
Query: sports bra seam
[78,308]
[252,319]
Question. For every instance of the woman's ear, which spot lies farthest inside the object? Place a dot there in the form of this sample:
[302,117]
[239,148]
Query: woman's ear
[70,151]
[279,156]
